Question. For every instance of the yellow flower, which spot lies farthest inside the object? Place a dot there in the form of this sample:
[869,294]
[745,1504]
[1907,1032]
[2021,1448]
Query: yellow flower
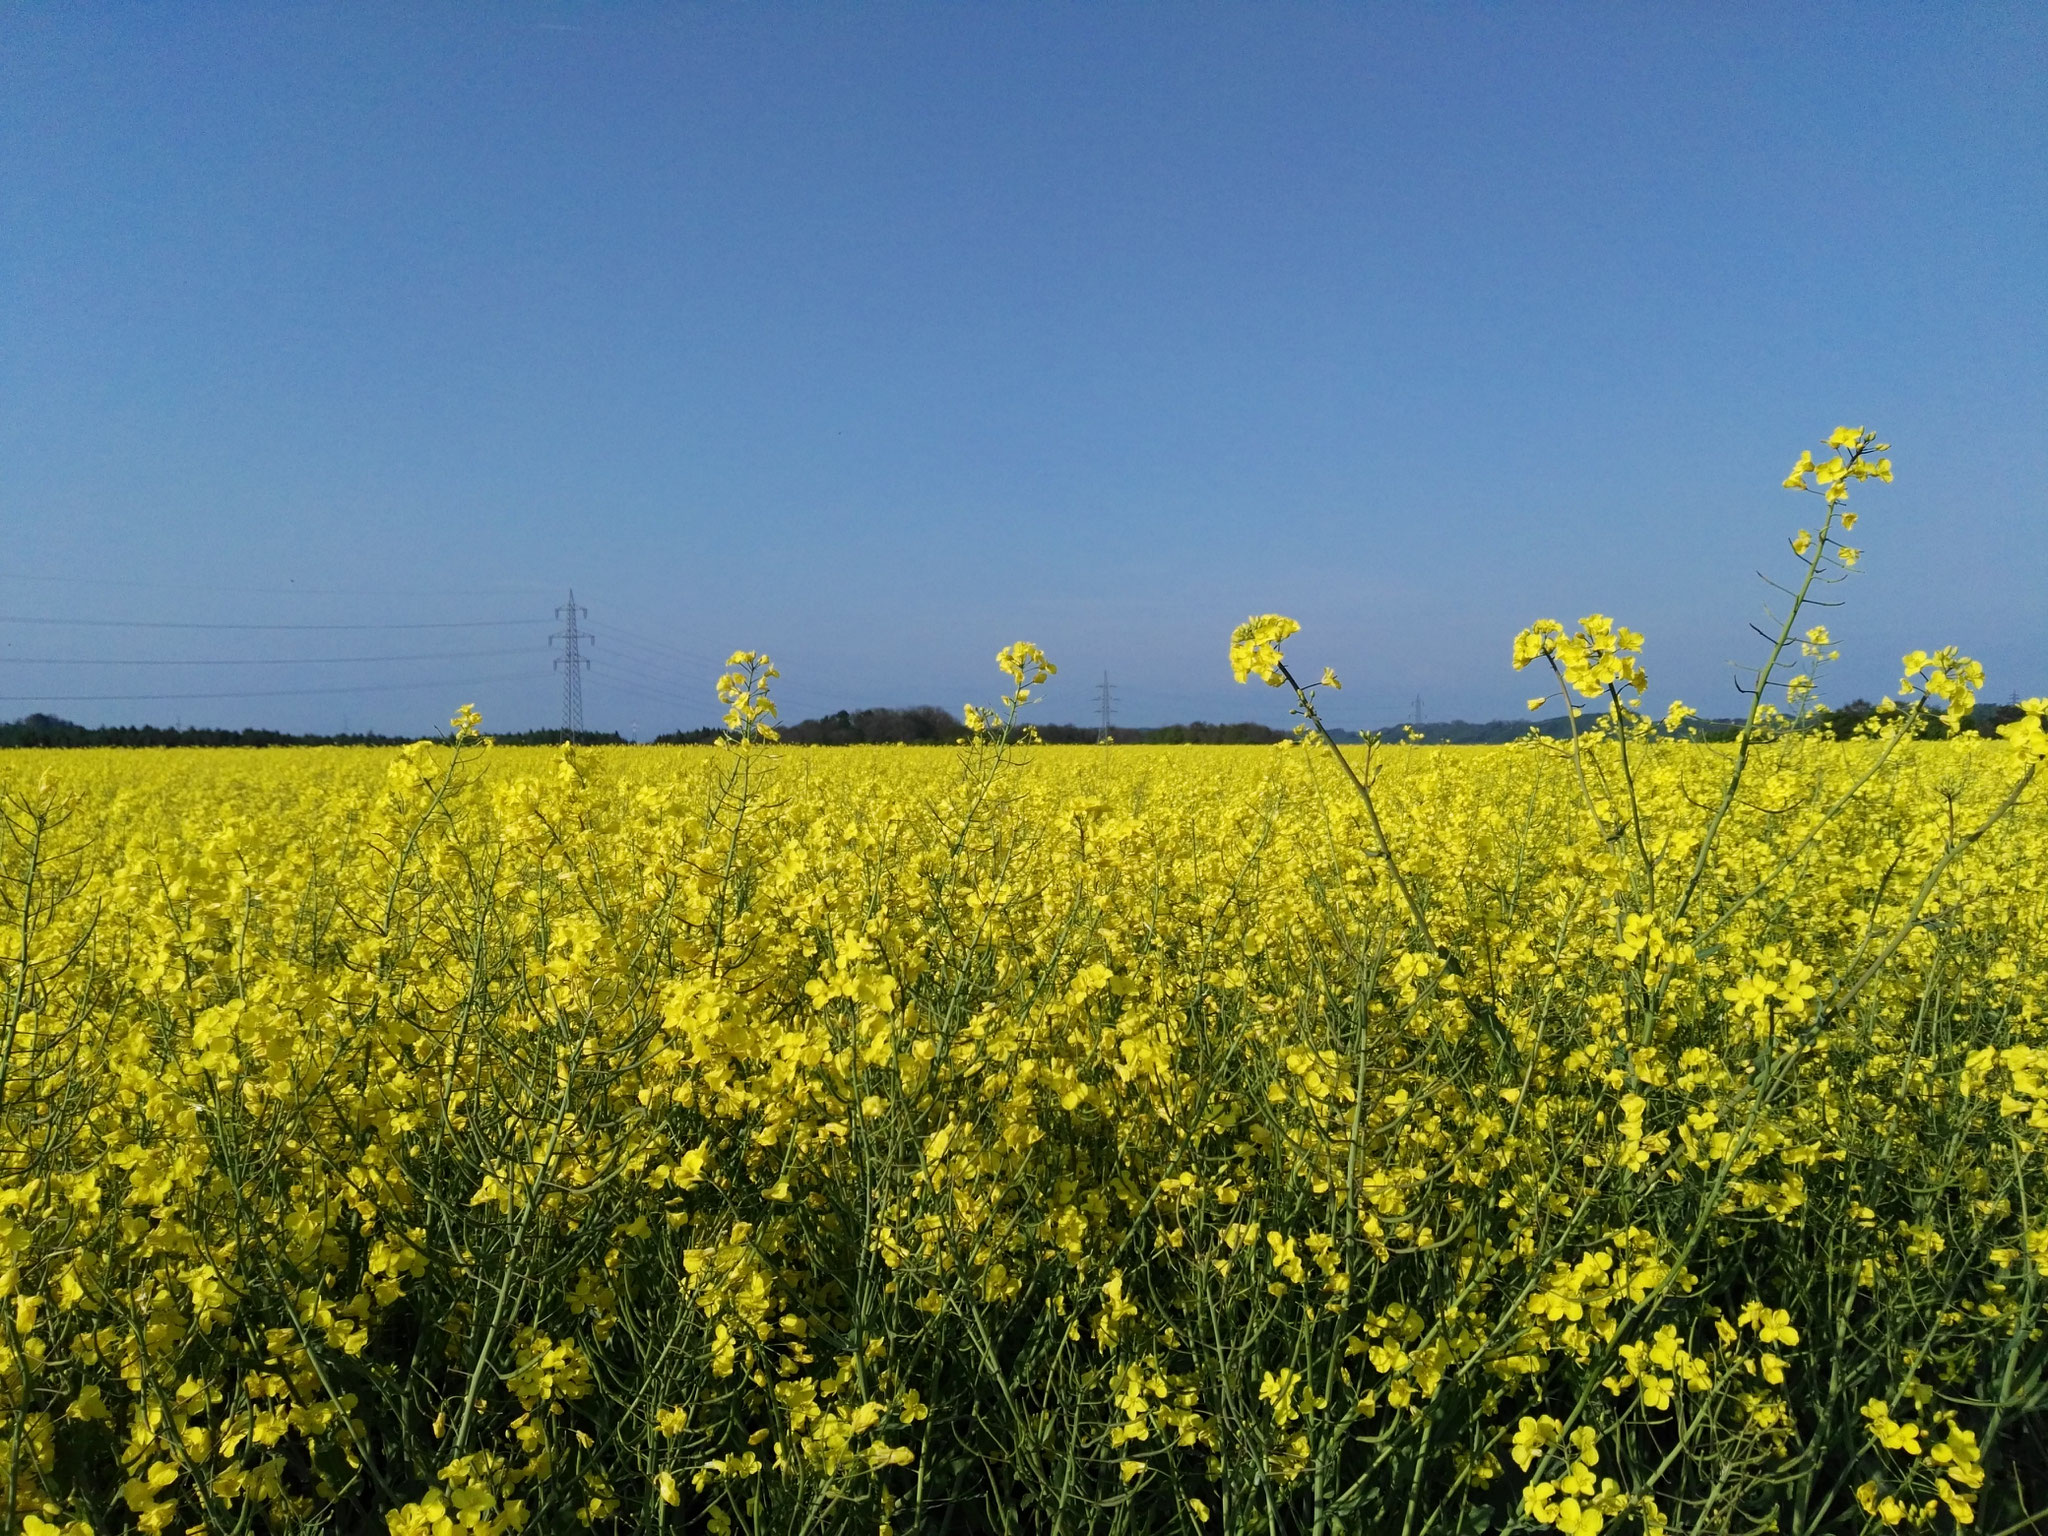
[1598,656]
[1255,647]
[1773,1325]
[1277,1388]
[2025,735]
[1532,1438]
[744,689]
[1025,663]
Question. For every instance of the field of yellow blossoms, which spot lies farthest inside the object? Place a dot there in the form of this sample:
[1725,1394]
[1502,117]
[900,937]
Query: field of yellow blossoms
[1631,1133]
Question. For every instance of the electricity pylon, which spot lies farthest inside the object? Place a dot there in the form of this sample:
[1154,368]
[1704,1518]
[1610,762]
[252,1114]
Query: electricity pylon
[572,661]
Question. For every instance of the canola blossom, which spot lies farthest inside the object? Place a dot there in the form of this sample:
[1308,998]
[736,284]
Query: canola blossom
[1627,1132]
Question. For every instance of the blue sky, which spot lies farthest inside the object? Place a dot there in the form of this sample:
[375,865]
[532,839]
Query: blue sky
[880,336]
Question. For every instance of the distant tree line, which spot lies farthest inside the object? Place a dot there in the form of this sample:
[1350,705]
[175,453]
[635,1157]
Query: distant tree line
[1984,720]
[1196,733]
[929,725]
[554,738]
[1472,733]
[922,725]
[1843,723]
[50,731]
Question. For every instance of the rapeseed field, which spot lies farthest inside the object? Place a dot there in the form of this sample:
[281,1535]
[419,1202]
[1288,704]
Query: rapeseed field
[1634,1132]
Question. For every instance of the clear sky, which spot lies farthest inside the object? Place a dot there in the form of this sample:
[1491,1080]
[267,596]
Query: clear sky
[879,336]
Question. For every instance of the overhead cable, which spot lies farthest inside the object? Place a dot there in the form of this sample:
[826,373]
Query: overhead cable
[184,624]
[453,685]
[241,661]
[440,593]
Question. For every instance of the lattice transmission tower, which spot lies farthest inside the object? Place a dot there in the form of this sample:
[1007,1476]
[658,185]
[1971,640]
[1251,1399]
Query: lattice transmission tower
[1106,701]
[571,663]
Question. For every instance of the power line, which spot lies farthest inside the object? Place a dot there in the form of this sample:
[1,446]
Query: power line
[702,665]
[272,693]
[656,695]
[616,660]
[289,590]
[617,663]
[667,666]
[652,644]
[652,668]
[661,651]
[181,624]
[244,661]
[612,675]
[663,666]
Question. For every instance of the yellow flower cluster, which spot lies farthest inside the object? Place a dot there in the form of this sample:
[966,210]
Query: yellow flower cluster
[1632,1132]
[1853,447]
[1600,655]
[1255,647]
[744,690]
